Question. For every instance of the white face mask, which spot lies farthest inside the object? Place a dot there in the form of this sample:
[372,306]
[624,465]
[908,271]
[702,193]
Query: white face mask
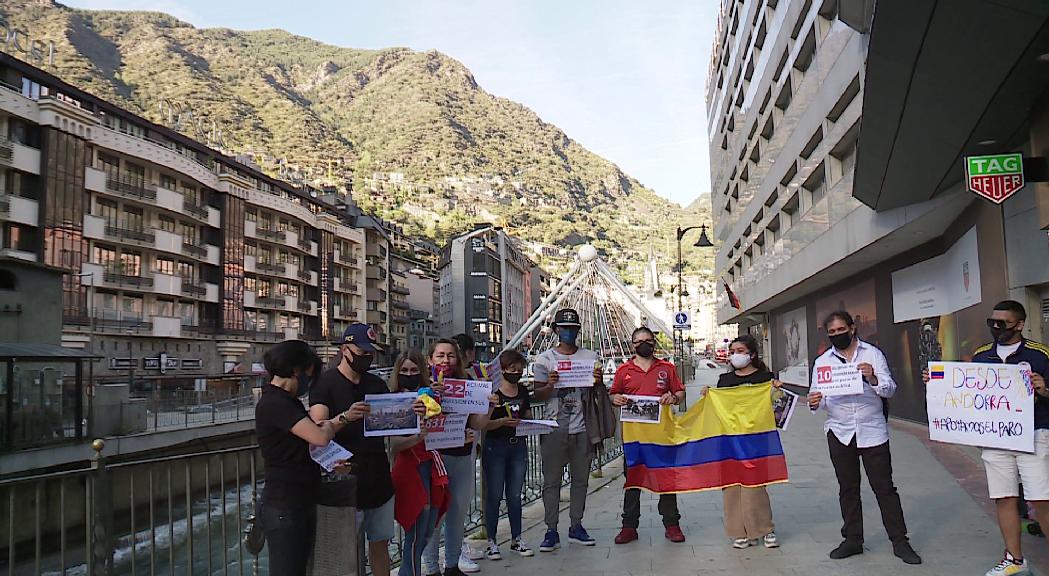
[739,361]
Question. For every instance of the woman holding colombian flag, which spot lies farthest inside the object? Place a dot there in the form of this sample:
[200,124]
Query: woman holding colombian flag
[748,512]
[646,375]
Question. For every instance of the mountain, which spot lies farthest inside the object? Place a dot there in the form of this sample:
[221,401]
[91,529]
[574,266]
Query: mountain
[422,144]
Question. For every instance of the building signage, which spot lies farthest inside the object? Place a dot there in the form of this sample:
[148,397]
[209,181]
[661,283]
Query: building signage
[18,42]
[940,285]
[682,321]
[192,363]
[162,363]
[121,363]
[995,177]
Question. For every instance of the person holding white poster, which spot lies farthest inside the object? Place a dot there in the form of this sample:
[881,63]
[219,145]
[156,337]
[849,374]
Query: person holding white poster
[1007,469]
[506,455]
[570,444]
[856,430]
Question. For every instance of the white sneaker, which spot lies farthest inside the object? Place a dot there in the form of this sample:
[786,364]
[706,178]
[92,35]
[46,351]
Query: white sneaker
[770,540]
[521,548]
[741,543]
[468,566]
[471,552]
[492,551]
[1008,567]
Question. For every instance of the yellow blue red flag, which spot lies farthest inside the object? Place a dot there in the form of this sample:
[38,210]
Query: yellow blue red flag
[728,438]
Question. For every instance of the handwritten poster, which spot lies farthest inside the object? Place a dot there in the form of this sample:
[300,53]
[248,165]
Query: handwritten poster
[535,427]
[330,455]
[466,396]
[445,431]
[839,380]
[574,374]
[987,405]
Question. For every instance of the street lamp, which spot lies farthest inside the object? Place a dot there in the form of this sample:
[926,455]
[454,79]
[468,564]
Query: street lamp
[703,242]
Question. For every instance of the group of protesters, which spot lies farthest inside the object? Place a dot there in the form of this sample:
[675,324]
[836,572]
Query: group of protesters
[429,492]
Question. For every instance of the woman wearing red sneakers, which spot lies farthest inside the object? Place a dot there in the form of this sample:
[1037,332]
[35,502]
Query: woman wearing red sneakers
[646,375]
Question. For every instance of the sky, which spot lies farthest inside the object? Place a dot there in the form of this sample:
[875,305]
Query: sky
[624,78]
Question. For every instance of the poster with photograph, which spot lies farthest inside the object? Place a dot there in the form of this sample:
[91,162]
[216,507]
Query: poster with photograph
[783,404]
[793,346]
[642,409]
[391,415]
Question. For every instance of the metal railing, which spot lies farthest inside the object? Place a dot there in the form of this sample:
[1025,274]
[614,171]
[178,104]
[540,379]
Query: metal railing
[195,251]
[5,204]
[133,188]
[125,233]
[193,290]
[116,277]
[271,235]
[270,301]
[198,211]
[270,267]
[7,150]
[181,514]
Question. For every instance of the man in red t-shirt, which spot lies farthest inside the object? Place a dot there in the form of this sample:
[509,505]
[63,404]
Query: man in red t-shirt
[646,375]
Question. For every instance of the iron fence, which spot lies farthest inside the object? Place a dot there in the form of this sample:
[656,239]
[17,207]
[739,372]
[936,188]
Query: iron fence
[182,514]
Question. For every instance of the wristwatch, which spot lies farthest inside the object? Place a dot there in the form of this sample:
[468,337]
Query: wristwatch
[343,419]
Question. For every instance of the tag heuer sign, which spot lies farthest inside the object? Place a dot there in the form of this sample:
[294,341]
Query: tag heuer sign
[995,177]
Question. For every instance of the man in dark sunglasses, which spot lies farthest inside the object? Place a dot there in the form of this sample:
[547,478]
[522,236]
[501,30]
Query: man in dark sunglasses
[1007,470]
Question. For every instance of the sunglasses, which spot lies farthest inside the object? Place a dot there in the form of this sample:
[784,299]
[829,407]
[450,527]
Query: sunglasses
[999,324]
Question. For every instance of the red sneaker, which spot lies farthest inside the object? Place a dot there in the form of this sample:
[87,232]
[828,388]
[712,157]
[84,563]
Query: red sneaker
[674,534]
[626,535]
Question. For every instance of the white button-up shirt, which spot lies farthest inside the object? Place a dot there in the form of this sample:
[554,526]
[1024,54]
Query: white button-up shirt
[858,415]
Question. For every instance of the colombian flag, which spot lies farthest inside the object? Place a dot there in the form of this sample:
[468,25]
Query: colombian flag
[728,438]
[937,372]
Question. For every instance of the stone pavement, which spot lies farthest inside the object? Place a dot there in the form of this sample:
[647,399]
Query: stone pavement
[948,527]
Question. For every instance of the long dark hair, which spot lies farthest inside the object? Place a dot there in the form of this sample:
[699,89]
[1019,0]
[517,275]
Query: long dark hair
[752,346]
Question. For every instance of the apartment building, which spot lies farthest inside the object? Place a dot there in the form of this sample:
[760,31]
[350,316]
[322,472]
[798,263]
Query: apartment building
[177,261]
[838,133]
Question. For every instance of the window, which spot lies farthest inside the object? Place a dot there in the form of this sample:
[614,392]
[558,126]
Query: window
[167,182]
[250,249]
[105,256]
[806,53]
[131,264]
[131,307]
[185,270]
[816,185]
[251,215]
[165,266]
[250,283]
[166,223]
[164,308]
[813,142]
[188,313]
[846,98]
[480,307]
[107,210]
[133,219]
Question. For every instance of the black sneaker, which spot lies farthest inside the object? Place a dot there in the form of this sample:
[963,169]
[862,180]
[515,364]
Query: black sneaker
[904,552]
[454,571]
[846,549]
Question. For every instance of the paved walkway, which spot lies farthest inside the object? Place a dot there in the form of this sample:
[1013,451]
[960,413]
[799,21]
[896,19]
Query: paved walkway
[949,528]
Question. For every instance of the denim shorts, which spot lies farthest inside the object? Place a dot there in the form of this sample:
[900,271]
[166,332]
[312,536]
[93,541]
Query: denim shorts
[377,523]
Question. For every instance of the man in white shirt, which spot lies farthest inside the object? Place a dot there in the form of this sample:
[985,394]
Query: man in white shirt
[857,429]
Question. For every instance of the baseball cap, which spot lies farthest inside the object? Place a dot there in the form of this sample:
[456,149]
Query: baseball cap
[361,336]
[566,317]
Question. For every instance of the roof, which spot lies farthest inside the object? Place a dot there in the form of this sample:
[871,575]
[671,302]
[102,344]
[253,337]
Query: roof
[37,351]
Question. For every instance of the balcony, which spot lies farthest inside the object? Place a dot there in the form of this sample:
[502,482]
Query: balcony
[401,304]
[133,188]
[272,268]
[376,273]
[347,260]
[305,275]
[270,235]
[7,150]
[194,251]
[118,277]
[270,302]
[133,234]
[193,290]
[307,307]
[19,156]
[400,290]
[200,212]
[345,314]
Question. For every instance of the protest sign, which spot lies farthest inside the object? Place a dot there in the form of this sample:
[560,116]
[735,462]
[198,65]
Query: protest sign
[987,405]
[643,409]
[466,396]
[783,403]
[534,427]
[330,455]
[839,380]
[574,374]
[446,431]
[391,415]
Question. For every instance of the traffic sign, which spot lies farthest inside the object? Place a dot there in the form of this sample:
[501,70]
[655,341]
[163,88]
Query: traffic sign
[995,177]
[682,321]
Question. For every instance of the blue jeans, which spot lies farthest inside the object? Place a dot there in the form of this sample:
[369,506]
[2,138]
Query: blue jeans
[503,467]
[461,487]
[289,534]
[415,539]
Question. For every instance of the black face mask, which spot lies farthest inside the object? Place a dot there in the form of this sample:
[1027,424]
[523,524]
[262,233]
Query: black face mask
[1002,335]
[360,364]
[409,381]
[841,341]
[645,349]
[305,380]
[513,377]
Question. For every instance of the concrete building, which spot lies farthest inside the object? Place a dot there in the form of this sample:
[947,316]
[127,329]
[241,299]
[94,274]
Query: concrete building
[484,280]
[815,211]
[169,249]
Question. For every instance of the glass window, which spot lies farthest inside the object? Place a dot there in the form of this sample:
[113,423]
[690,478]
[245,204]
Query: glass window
[164,308]
[166,266]
[187,311]
[185,270]
[167,182]
[105,256]
[166,223]
[250,283]
[133,219]
[189,233]
[251,215]
[131,264]
[131,307]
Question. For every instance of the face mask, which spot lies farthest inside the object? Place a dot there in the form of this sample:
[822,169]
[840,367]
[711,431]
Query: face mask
[645,350]
[568,335]
[409,381]
[740,361]
[841,341]
[513,377]
[304,384]
[361,364]
[1002,335]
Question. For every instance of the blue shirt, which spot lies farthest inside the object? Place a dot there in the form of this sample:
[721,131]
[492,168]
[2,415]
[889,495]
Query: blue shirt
[1034,353]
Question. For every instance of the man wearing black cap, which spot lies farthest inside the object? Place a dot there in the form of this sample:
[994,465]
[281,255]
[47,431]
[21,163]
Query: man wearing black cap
[569,444]
[342,389]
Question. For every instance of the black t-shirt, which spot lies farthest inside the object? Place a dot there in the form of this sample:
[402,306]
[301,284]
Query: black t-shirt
[512,406]
[731,379]
[370,464]
[292,477]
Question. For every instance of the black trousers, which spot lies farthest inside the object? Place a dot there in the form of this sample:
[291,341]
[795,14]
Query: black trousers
[289,534]
[632,508]
[877,462]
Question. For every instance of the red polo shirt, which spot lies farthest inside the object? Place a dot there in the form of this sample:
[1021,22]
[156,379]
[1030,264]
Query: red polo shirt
[656,381]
